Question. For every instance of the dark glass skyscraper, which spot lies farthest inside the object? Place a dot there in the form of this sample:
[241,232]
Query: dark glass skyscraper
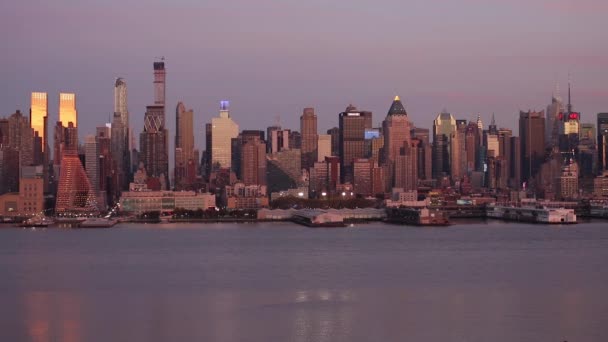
[531,133]
[602,141]
[352,139]
[308,129]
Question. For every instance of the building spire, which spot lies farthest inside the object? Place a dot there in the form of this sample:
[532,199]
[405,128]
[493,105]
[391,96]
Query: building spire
[493,123]
[569,98]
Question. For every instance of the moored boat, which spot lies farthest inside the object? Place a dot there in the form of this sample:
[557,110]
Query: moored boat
[36,222]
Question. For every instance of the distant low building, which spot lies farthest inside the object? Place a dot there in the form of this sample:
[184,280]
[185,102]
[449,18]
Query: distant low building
[141,201]
[600,185]
[241,196]
[301,192]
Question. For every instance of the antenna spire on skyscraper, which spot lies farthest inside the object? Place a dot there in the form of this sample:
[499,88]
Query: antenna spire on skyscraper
[569,98]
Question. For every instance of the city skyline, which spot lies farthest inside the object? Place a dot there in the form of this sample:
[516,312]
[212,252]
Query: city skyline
[472,62]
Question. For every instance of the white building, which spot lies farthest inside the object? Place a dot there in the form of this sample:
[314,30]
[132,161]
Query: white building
[163,201]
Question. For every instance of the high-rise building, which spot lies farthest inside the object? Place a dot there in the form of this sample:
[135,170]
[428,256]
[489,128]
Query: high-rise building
[334,132]
[515,166]
[458,160]
[184,145]
[552,118]
[602,142]
[325,177]
[323,147]
[154,140]
[353,124]
[75,193]
[21,139]
[568,181]
[92,161]
[284,170]
[443,127]
[424,153]
[153,143]
[253,161]
[569,128]
[490,139]
[3,132]
[38,117]
[121,135]
[108,186]
[206,161]
[308,129]
[532,144]
[160,75]
[223,130]
[472,142]
[67,109]
[31,194]
[362,179]
[399,157]
[278,139]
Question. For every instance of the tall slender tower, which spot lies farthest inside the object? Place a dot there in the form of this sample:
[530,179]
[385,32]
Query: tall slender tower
[308,129]
[39,123]
[120,134]
[184,145]
[159,82]
[153,141]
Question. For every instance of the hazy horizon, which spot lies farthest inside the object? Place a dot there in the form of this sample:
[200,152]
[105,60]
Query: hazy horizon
[273,58]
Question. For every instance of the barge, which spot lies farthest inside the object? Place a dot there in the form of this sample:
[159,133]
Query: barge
[532,214]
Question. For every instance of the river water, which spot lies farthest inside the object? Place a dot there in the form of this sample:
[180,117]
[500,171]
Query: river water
[473,281]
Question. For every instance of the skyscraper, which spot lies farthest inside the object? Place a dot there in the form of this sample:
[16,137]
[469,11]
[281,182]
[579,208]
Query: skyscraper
[569,128]
[424,153]
[532,143]
[120,134]
[458,157]
[154,140]
[67,109]
[91,161]
[334,132]
[38,116]
[75,193]
[184,144]
[552,120]
[160,75]
[253,160]
[443,127]
[323,147]
[399,157]
[308,129]
[602,142]
[21,139]
[352,124]
[223,130]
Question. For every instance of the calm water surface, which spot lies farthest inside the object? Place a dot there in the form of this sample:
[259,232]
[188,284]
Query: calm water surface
[281,282]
